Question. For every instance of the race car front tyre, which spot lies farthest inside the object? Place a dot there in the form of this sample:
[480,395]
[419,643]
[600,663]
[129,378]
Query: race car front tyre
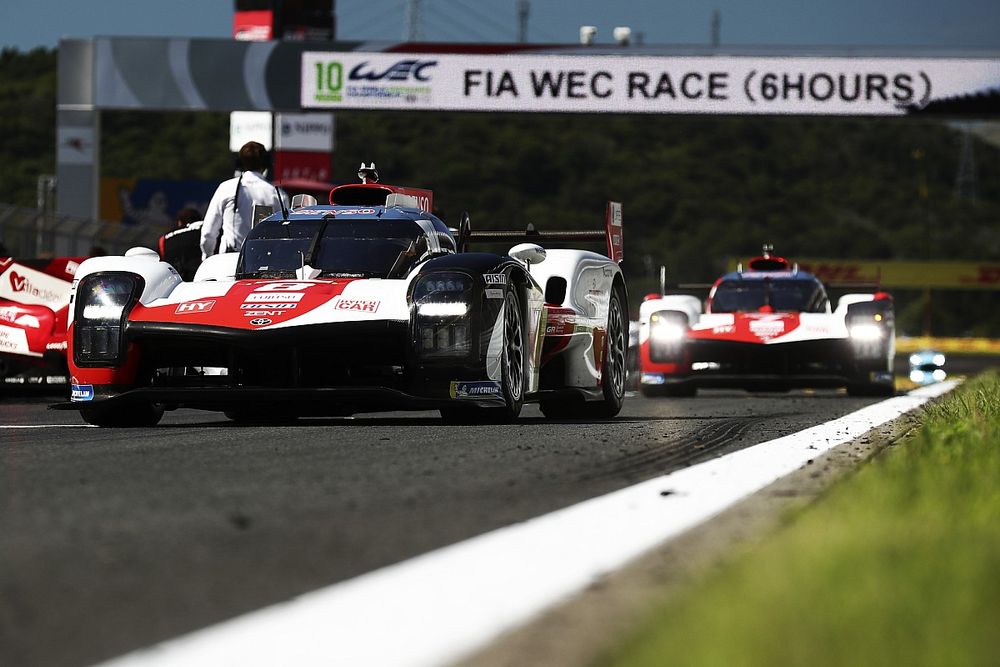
[511,370]
[132,416]
[613,371]
[512,364]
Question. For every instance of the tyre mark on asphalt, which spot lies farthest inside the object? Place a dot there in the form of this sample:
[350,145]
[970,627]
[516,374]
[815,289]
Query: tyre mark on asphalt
[677,452]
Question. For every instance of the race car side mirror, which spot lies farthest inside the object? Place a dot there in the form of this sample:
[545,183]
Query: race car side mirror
[145,253]
[302,201]
[528,253]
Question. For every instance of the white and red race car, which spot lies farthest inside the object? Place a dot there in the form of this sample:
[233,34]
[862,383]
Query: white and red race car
[770,327]
[34,304]
[365,305]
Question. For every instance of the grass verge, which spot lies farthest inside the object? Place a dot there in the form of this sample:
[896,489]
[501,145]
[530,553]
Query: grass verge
[897,565]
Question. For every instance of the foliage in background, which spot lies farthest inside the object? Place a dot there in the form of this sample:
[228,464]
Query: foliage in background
[27,123]
[177,145]
[695,189]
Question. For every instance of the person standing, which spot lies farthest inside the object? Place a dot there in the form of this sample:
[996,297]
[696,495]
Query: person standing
[231,207]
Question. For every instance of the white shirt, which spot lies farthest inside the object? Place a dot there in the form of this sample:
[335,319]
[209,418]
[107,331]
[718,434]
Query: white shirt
[253,189]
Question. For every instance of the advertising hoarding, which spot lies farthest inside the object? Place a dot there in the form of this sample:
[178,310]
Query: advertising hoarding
[638,84]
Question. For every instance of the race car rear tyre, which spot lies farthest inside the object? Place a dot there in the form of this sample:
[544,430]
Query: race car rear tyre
[614,371]
[512,364]
[134,416]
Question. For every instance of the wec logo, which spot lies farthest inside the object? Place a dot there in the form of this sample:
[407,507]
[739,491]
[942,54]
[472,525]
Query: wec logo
[330,76]
[402,70]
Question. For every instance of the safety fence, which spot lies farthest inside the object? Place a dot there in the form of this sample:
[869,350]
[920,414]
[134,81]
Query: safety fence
[26,232]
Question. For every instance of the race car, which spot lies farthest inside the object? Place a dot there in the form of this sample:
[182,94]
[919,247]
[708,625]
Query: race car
[368,304]
[34,304]
[769,327]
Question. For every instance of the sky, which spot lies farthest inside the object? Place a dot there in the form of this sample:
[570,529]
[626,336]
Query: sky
[26,24]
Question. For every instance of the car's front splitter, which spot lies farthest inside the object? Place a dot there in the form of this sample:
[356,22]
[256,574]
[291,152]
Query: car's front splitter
[305,402]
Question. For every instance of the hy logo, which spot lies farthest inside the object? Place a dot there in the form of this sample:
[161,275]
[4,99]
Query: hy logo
[194,307]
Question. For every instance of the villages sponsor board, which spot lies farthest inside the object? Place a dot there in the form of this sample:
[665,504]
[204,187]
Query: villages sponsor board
[639,84]
[22,284]
[14,341]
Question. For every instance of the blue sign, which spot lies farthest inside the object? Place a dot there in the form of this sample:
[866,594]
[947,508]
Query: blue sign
[81,392]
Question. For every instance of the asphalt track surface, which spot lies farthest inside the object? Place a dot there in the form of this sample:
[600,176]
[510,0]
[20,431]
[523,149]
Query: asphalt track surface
[113,539]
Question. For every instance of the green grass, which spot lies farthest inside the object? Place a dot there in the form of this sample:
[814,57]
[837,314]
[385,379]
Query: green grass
[897,565]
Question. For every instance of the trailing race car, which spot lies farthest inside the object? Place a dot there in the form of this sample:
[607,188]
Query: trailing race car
[34,302]
[770,327]
[365,305]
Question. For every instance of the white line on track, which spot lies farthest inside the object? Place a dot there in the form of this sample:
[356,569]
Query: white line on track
[437,607]
[3,426]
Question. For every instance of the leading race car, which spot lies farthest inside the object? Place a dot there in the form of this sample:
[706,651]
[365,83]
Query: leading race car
[34,304]
[769,327]
[353,307]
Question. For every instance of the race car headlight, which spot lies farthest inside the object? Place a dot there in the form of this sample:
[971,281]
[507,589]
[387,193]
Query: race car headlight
[667,330]
[866,333]
[667,333]
[442,302]
[103,302]
[870,327]
[443,309]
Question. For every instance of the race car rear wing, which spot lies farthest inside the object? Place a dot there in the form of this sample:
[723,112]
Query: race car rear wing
[611,234]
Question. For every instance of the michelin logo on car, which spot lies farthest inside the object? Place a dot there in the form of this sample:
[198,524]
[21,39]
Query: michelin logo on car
[81,392]
[474,389]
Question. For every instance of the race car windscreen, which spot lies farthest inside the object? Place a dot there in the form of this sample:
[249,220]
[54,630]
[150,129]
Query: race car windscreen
[736,296]
[366,248]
